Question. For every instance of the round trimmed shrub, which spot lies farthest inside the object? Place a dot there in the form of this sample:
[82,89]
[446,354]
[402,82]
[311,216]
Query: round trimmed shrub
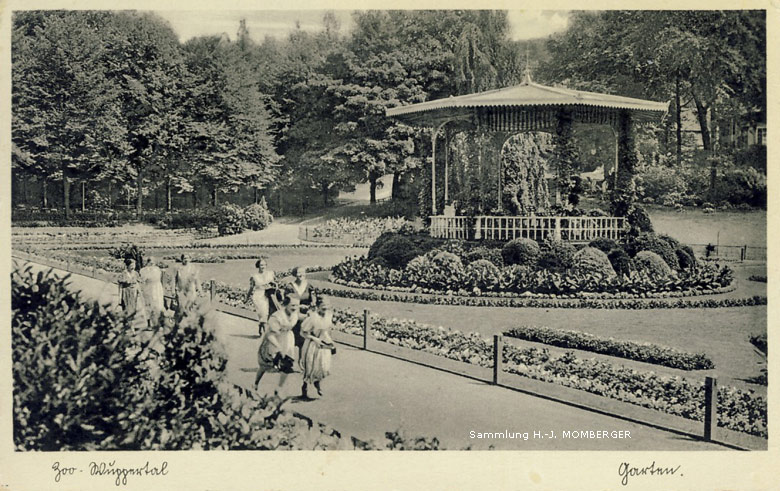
[524,252]
[685,258]
[398,249]
[620,261]
[603,244]
[651,263]
[393,250]
[230,219]
[556,255]
[590,260]
[257,216]
[654,243]
[435,269]
[484,253]
[482,274]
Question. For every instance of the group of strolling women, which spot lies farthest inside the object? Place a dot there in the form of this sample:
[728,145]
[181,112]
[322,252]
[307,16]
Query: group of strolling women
[142,293]
[294,322]
[298,330]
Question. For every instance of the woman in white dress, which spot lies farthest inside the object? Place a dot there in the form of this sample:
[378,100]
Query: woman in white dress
[187,282]
[259,284]
[152,289]
[317,346]
[277,345]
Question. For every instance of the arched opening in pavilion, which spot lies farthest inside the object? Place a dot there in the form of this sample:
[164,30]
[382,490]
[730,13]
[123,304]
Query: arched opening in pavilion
[528,107]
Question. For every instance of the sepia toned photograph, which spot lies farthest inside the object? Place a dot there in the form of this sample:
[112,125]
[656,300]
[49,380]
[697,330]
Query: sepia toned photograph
[480,230]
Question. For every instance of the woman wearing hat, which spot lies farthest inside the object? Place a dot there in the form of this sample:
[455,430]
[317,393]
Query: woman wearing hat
[259,284]
[277,345]
[318,345]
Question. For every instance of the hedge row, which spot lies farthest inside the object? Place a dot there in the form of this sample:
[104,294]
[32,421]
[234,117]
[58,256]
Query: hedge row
[644,352]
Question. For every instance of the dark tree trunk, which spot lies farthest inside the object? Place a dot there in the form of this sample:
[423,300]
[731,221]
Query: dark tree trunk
[701,113]
[324,188]
[395,193]
[45,193]
[214,196]
[65,189]
[257,198]
[168,204]
[139,191]
[372,188]
[194,197]
[678,119]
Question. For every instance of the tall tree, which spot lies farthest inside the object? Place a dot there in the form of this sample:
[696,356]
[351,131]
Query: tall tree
[64,106]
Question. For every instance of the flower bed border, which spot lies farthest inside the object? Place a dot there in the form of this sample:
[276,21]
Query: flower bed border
[585,295]
[630,350]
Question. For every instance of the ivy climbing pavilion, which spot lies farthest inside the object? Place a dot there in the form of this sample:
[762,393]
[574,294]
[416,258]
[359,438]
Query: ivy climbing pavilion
[530,107]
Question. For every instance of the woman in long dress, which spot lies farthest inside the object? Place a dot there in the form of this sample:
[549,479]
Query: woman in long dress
[152,289]
[277,346]
[187,283]
[259,284]
[301,288]
[128,284]
[317,347]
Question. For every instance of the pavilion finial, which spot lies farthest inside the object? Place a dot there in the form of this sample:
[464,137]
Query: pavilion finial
[527,73]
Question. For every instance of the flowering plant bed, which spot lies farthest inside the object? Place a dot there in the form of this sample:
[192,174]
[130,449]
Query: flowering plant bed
[545,303]
[362,231]
[523,282]
[644,352]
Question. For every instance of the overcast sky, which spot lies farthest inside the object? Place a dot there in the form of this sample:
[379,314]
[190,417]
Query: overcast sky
[526,24]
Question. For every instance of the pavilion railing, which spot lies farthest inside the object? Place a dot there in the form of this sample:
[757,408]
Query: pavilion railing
[569,229]
[455,227]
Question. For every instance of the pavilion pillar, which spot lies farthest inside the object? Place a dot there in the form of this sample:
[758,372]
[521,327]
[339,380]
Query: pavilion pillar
[446,166]
[623,194]
[433,167]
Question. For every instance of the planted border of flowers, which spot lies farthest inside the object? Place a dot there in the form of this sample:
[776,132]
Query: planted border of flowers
[644,352]
[444,274]
[546,303]
[163,245]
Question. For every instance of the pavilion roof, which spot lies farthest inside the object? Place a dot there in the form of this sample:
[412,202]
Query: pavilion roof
[527,96]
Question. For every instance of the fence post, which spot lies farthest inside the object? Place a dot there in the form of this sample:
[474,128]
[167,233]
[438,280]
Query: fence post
[307,232]
[744,253]
[710,406]
[366,327]
[557,231]
[498,359]
[212,289]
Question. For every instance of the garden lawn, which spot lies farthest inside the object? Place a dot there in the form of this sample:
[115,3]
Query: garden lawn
[727,227]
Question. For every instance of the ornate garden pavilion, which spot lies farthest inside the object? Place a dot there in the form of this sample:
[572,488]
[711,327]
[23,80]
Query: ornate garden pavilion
[524,108]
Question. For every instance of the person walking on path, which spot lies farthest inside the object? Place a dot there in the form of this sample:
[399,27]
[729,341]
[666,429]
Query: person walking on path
[301,288]
[152,289]
[187,282]
[277,346]
[128,285]
[261,284]
[317,347]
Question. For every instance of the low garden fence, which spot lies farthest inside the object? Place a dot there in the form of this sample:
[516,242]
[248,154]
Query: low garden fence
[495,375]
[570,229]
[730,252]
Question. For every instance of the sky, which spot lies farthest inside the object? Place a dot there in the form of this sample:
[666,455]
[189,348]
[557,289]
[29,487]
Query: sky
[526,24]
